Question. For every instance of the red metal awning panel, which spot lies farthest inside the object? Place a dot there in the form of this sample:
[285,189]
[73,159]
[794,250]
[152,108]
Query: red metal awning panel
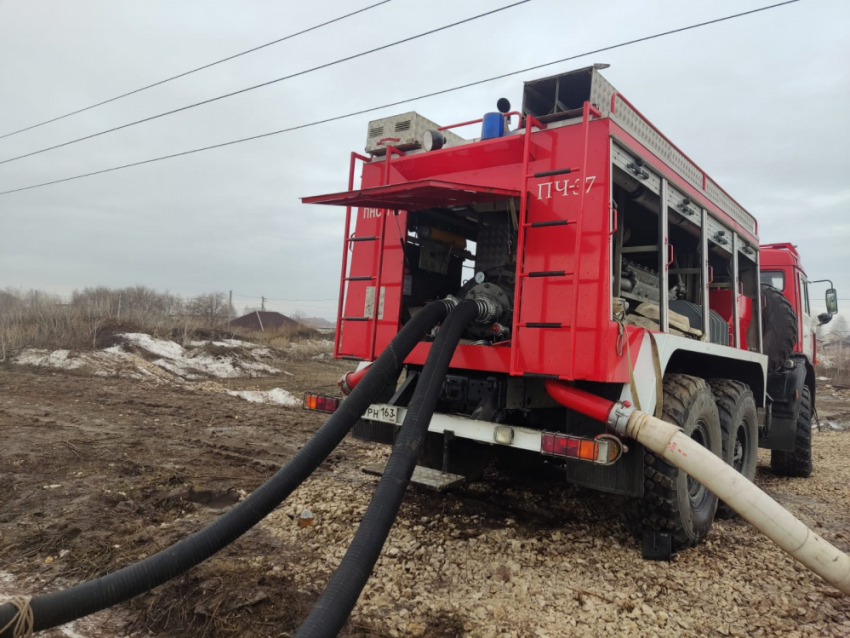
[426,193]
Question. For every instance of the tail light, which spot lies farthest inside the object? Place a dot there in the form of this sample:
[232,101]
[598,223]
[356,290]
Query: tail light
[320,402]
[605,449]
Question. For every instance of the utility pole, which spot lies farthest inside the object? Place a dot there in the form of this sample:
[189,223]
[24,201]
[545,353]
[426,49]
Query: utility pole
[263,304]
[230,308]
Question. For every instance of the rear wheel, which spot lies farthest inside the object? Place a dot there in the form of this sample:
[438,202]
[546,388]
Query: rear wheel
[673,501]
[799,462]
[739,425]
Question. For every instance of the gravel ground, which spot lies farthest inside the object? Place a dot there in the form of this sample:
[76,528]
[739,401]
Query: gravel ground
[494,573]
[100,472]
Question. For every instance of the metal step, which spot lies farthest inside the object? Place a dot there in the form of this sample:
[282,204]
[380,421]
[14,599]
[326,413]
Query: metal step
[424,477]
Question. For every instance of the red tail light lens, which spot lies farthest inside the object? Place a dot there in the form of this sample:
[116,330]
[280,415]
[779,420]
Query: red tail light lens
[320,403]
[604,449]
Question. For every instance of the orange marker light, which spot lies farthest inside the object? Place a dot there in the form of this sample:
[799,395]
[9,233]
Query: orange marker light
[588,450]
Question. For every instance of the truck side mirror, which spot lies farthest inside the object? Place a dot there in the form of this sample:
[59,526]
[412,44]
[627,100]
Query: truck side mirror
[824,318]
[831,301]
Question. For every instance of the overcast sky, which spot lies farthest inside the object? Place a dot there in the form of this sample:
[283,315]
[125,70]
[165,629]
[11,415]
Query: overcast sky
[761,103]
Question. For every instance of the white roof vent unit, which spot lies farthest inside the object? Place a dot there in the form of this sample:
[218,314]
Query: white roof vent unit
[405,132]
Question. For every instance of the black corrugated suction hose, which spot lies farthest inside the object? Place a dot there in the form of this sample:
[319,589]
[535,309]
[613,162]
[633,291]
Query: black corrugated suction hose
[86,598]
[332,609]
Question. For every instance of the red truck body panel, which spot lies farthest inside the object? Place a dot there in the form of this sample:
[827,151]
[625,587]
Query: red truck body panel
[588,354]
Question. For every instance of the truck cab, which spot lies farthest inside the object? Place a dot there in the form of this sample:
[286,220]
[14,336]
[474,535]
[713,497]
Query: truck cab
[791,391]
[781,268]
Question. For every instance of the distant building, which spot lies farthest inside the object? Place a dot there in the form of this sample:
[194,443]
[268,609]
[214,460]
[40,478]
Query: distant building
[319,323]
[265,320]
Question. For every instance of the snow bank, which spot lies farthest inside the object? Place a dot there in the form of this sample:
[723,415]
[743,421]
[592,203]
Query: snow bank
[277,396]
[137,353]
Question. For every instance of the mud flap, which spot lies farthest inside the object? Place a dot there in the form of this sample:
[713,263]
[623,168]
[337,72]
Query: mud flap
[374,432]
[784,388]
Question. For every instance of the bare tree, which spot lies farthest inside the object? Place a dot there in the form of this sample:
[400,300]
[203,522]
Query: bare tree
[212,307]
[839,326]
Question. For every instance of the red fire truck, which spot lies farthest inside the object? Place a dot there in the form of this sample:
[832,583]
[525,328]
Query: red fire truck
[604,257]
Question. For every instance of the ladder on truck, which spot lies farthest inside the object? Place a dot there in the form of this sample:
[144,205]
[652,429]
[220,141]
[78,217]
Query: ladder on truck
[529,226]
[351,239]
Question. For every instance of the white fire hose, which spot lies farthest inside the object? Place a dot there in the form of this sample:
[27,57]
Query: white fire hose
[768,516]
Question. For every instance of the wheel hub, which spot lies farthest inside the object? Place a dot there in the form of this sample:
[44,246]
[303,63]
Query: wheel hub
[696,490]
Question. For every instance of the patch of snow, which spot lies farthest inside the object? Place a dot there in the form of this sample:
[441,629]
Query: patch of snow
[277,396]
[177,368]
[102,364]
[225,343]
[44,358]
[191,363]
[164,348]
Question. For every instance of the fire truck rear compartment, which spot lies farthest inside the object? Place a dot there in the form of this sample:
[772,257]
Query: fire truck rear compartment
[466,252]
[638,257]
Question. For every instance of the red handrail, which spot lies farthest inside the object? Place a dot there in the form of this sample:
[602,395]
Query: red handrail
[340,303]
[377,303]
[530,122]
[587,111]
[480,119]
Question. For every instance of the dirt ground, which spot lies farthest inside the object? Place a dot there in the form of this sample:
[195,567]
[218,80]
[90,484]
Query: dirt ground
[97,473]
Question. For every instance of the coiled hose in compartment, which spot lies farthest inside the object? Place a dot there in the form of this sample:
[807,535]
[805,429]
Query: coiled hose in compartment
[332,609]
[87,598]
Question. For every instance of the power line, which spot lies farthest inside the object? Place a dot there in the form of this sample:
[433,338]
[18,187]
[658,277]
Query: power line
[200,68]
[263,84]
[397,103]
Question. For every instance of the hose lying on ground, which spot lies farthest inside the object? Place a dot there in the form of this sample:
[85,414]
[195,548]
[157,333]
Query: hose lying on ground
[86,598]
[332,609]
[675,447]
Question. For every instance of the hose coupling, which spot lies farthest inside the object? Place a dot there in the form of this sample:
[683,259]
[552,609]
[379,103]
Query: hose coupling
[451,302]
[488,309]
[618,417]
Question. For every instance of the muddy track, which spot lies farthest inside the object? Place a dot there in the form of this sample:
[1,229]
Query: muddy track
[99,472]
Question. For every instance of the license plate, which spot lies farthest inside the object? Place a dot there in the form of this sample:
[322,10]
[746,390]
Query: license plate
[382,413]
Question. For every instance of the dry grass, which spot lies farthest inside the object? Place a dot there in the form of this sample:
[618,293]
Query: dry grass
[279,338]
[93,317]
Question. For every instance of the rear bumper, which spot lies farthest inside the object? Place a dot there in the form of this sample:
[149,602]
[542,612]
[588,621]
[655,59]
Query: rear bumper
[624,477]
[466,428]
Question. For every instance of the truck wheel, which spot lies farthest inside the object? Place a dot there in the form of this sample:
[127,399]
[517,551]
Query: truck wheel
[739,425]
[779,325]
[799,462]
[673,501]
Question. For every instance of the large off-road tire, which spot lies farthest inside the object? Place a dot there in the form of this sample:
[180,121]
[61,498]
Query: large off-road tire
[672,500]
[799,462]
[779,326]
[739,425]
